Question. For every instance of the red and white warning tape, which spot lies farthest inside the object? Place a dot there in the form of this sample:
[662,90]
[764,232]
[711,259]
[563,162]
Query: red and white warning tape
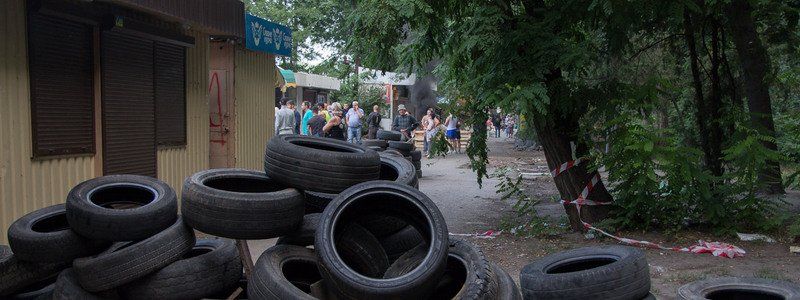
[567,165]
[715,248]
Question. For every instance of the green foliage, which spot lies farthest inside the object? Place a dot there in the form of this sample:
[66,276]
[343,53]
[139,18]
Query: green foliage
[476,149]
[656,182]
[618,68]
[526,130]
[794,228]
[745,158]
[510,189]
[439,146]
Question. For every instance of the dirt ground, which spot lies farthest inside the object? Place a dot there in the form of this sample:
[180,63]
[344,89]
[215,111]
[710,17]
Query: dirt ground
[470,209]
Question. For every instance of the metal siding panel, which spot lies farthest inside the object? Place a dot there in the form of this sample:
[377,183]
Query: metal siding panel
[255,109]
[129,127]
[177,163]
[25,184]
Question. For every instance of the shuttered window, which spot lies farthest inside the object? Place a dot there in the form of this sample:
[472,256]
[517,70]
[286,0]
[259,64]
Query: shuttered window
[129,127]
[170,94]
[62,97]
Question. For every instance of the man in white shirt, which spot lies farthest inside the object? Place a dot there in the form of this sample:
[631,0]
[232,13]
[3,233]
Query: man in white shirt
[353,119]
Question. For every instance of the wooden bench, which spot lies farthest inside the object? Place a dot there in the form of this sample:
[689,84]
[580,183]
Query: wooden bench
[419,138]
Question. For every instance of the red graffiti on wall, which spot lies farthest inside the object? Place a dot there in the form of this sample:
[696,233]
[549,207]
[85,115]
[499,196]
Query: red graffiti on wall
[215,81]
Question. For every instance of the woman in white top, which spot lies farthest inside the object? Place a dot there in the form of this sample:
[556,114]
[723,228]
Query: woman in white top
[453,133]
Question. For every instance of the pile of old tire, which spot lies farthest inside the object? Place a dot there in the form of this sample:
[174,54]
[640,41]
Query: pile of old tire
[374,234]
[376,144]
[739,288]
[377,240]
[604,272]
[117,236]
[391,141]
[320,168]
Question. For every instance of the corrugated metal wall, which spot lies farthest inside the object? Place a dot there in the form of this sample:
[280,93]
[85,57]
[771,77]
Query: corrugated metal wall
[224,16]
[25,185]
[175,164]
[255,107]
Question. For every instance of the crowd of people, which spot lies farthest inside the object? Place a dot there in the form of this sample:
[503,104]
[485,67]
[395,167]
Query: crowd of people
[502,123]
[345,122]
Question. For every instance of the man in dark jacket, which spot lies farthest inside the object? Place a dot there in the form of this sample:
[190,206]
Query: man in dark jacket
[404,122]
[297,120]
[373,122]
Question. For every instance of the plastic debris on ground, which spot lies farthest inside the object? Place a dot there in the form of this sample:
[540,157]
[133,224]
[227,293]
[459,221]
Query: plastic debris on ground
[751,237]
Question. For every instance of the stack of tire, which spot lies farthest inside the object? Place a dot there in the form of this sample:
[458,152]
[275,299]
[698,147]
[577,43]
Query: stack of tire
[375,237]
[394,145]
[117,236]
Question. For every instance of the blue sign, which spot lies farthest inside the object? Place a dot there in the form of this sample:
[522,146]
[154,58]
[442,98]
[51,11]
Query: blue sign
[265,36]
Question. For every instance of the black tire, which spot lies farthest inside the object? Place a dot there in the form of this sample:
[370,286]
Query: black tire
[468,275]
[35,236]
[126,262]
[16,275]
[394,199]
[388,135]
[406,263]
[284,272]
[506,287]
[403,147]
[649,296]
[316,202]
[375,148]
[401,242]
[739,288]
[68,288]
[396,169]
[361,250]
[304,236]
[211,267]
[393,152]
[240,204]
[381,225]
[416,155]
[111,208]
[38,291]
[607,272]
[374,143]
[319,164]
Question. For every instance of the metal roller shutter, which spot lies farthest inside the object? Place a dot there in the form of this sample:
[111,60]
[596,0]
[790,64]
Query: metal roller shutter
[62,98]
[170,96]
[129,127]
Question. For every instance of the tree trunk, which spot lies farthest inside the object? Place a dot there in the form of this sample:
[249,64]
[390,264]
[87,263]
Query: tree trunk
[707,110]
[755,64]
[555,131]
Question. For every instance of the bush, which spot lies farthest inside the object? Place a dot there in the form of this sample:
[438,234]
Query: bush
[658,183]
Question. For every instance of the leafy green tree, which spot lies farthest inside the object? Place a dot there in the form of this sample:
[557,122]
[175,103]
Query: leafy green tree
[573,67]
